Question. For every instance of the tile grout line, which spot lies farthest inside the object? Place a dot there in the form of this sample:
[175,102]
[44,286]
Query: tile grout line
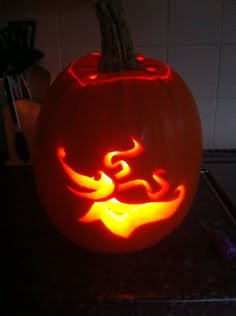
[218,73]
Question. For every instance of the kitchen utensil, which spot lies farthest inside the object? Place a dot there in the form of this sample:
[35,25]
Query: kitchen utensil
[4,155]
[20,142]
[27,110]
[18,54]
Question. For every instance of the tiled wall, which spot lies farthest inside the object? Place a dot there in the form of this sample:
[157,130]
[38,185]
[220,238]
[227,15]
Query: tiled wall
[196,37]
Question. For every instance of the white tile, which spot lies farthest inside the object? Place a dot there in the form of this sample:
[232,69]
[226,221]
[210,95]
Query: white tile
[48,41]
[194,22]
[79,31]
[229,22]
[147,21]
[227,77]
[198,65]
[206,108]
[155,52]
[225,126]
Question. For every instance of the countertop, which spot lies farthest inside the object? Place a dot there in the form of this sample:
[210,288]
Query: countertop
[185,274]
[221,164]
[225,175]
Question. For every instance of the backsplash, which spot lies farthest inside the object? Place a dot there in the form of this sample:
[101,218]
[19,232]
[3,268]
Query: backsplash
[196,38]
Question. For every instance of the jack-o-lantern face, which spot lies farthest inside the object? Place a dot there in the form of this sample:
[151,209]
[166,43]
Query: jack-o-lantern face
[117,147]
[117,157]
[119,217]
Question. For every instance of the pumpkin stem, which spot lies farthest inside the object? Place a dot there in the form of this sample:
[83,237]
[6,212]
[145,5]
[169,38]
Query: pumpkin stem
[116,42]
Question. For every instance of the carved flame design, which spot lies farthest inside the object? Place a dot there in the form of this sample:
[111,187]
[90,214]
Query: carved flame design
[121,218]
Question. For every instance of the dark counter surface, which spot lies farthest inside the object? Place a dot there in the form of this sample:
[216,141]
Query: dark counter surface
[48,275]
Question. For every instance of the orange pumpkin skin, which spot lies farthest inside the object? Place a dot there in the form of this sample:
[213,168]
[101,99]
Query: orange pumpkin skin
[91,114]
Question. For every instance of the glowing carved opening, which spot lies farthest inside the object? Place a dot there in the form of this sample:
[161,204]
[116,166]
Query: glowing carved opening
[121,218]
[84,75]
[151,69]
[140,58]
[92,77]
[96,188]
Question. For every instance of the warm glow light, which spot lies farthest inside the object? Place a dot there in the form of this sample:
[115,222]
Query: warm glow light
[121,164]
[95,189]
[153,195]
[148,73]
[151,69]
[140,58]
[121,218]
[92,77]
[96,54]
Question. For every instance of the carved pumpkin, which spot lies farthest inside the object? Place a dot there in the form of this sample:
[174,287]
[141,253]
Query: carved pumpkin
[117,148]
